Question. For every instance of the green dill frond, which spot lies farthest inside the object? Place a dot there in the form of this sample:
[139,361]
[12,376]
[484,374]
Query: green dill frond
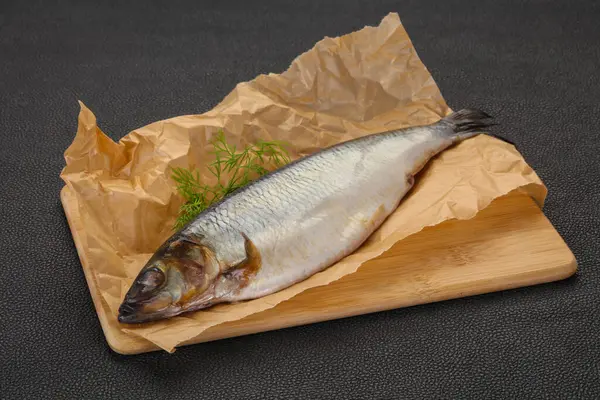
[232,170]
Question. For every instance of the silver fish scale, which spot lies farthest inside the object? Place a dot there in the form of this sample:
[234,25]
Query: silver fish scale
[313,212]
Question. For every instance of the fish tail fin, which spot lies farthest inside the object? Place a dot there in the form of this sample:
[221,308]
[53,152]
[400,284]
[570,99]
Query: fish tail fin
[468,122]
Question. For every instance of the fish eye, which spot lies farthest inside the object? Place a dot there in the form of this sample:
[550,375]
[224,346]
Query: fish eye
[151,279]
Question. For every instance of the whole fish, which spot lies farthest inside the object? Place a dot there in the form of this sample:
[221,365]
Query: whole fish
[291,223]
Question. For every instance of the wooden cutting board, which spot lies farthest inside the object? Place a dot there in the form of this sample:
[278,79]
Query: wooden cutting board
[507,245]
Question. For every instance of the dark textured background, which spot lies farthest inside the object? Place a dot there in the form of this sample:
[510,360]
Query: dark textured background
[535,65]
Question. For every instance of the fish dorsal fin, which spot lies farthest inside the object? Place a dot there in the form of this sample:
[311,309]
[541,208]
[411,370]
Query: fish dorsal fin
[249,267]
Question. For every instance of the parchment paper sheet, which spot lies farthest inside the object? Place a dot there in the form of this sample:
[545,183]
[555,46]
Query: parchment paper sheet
[364,82]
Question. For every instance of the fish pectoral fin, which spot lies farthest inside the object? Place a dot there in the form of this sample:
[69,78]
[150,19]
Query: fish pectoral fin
[249,267]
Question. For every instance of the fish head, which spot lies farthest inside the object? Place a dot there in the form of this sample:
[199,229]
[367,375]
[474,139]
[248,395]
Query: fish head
[180,277]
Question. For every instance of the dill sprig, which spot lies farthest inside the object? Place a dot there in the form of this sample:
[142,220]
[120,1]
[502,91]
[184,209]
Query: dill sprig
[232,169]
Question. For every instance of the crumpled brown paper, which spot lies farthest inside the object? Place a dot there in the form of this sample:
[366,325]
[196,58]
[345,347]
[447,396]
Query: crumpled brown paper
[364,82]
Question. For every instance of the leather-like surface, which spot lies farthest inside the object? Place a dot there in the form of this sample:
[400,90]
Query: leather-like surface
[534,65]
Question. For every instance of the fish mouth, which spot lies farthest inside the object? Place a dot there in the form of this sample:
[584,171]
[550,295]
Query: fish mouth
[133,314]
[129,314]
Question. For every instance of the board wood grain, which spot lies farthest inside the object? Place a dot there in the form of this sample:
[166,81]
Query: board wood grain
[509,244]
